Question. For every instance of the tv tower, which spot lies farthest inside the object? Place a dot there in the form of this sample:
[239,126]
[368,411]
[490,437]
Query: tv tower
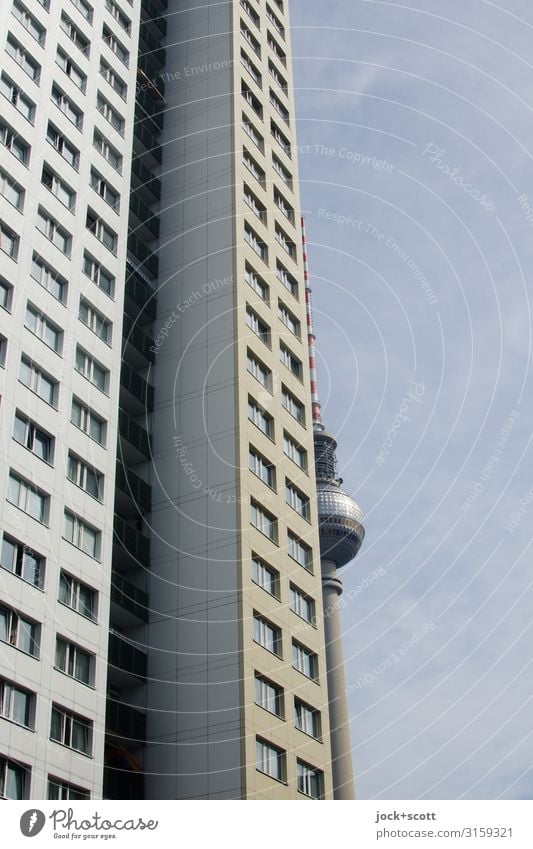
[341,533]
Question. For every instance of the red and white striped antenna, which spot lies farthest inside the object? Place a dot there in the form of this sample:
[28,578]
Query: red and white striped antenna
[311,338]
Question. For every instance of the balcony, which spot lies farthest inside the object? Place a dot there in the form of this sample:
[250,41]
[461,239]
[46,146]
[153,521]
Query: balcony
[141,296]
[143,222]
[129,544]
[125,721]
[150,46]
[144,182]
[138,395]
[138,346]
[147,259]
[148,144]
[132,603]
[150,107]
[151,15]
[133,496]
[134,441]
[125,660]
[121,782]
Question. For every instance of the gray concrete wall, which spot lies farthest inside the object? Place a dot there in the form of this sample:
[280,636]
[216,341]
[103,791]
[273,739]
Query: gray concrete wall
[193,698]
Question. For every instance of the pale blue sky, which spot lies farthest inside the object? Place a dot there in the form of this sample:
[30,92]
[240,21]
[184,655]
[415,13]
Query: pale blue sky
[450,715]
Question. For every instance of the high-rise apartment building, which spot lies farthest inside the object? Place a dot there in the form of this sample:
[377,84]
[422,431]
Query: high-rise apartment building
[161,616]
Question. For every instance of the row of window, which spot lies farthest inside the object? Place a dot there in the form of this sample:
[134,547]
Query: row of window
[66,727]
[273,44]
[28,565]
[263,331]
[272,761]
[259,209]
[269,636]
[266,523]
[15,780]
[265,470]
[261,248]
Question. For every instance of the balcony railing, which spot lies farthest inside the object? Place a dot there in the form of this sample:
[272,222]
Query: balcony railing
[125,656]
[140,293]
[135,488]
[136,336]
[137,386]
[130,597]
[147,259]
[133,542]
[134,433]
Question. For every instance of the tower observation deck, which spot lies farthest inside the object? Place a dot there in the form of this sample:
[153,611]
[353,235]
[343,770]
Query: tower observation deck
[341,533]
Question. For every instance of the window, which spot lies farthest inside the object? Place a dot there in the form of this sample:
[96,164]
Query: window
[110,114]
[98,274]
[43,328]
[289,319]
[296,499]
[71,730]
[14,780]
[283,206]
[53,231]
[267,635]
[111,77]
[91,369]
[67,106]
[307,719]
[255,242]
[50,279]
[286,243]
[95,321]
[275,21]
[16,704]
[84,9]
[82,535]
[3,351]
[264,521]
[286,279]
[102,231]
[32,376]
[268,695]
[107,150]
[256,282]
[27,433]
[88,421]
[14,143]
[260,418]
[276,49]
[302,604]
[29,23]
[309,780]
[77,596]
[105,190]
[278,106]
[265,576]
[74,661]
[252,100]
[282,172]
[290,361]
[251,68]
[250,11]
[280,138]
[299,551]
[258,208]
[258,370]
[115,10]
[251,39]
[6,294]
[270,760]
[304,660]
[262,467]
[75,34]
[18,632]
[21,56]
[72,70]
[58,789]
[22,561]
[257,326]
[9,241]
[28,498]
[85,476]
[11,190]
[115,45]
[253,167]
[252,133]
[17,98]
[294,451]
[292,405]
[63,146]
[276,76]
